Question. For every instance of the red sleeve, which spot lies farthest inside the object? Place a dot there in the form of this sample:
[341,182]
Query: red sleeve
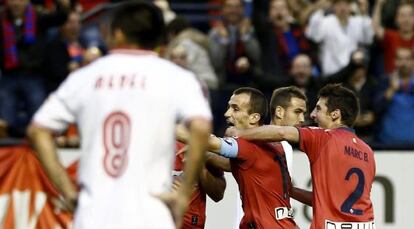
[388,37]
[311,141]
[247,153]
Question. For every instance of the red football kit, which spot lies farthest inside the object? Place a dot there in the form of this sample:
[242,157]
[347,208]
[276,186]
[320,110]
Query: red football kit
[343,170]
[261,172]
[195,216]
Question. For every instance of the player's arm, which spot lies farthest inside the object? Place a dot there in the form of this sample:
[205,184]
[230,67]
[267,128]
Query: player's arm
[182,135]
[44,147]
[268,133]
[301,195]
[217,162]
[213,183]
[199,130]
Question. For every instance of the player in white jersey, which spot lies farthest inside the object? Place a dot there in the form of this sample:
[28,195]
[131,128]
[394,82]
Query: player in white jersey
[126,105]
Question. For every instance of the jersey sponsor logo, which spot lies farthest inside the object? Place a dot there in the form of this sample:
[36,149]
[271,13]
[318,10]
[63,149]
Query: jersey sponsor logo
[349,151]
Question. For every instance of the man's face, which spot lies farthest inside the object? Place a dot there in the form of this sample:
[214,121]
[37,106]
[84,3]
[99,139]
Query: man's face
[294,114]
[72,26]
[233,11]
[17,7]
[404,62]
[278,12]
[405,18]
[179,56]
[237,114]
[321,115]
[342,9]
[301,70]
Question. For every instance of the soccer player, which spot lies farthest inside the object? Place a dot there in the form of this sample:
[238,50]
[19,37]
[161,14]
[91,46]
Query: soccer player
[342,165]
[211,182]
[126,105]
[260,169]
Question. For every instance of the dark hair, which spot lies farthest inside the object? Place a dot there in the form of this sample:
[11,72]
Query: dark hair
[347,1]
[339,97]
[258,102]
[141,22]
[282,97]
[177,25]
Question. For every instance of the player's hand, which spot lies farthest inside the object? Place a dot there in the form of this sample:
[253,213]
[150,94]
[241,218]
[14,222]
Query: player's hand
[64,204]
[231,132]
[177,203]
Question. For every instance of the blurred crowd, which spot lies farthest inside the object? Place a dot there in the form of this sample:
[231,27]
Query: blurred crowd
[367,45]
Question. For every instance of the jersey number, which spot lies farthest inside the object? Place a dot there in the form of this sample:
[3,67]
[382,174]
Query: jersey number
[116,138]
[356,194]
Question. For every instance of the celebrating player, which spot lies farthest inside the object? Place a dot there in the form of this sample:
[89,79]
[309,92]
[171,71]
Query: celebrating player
[260,169]
[343,166]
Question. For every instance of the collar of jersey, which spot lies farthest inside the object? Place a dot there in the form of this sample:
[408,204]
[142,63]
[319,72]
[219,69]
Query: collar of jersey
[131,51]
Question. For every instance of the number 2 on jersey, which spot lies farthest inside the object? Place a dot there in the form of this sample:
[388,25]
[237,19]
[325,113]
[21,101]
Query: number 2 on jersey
[356,194]
[116,139]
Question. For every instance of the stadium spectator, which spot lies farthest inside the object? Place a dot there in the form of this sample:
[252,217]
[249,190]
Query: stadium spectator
[211,182]
[356,78]
[392,39]
[126,104]
[195,45]
[339,34]
[64,53]
[281,40]
[335,154]
[301,77]
[235,55]
[234,49]
[395,101]
[22,55]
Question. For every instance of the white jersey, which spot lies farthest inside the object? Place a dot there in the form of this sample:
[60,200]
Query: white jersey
[126,105]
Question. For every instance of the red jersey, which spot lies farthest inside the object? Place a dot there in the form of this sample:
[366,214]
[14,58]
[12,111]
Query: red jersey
[343,170]
[391,42]
[195,217]
[261,172]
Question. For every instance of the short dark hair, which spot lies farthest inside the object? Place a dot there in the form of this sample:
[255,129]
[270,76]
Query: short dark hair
[339,97]
[177,25]
[258,102]
[141,22]
[282,97]
[347,1]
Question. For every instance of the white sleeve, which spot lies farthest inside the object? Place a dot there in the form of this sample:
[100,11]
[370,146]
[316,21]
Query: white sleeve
[315,30]
[367,30]
[289,156]
[60,107]
[192,100]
